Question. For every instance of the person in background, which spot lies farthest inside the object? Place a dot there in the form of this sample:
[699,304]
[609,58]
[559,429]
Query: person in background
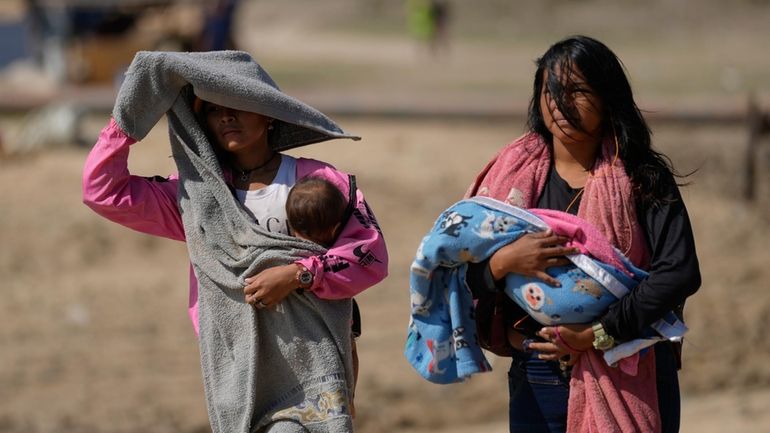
[217,31]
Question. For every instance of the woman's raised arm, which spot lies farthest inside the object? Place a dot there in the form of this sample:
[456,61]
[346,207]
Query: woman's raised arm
[144,204]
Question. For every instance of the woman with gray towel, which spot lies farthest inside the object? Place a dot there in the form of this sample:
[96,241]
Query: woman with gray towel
[272,311]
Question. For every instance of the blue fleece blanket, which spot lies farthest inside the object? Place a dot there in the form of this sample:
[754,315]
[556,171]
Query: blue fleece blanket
[442,344]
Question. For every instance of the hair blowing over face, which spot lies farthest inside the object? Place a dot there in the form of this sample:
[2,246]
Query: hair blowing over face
[601,69]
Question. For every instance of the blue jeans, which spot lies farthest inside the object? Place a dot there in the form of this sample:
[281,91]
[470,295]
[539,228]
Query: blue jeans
[666,371]
[539,392]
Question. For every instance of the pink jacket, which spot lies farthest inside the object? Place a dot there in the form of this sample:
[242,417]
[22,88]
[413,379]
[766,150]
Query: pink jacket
[357,261]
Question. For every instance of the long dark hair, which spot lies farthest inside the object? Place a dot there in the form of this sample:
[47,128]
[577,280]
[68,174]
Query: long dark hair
[650,171]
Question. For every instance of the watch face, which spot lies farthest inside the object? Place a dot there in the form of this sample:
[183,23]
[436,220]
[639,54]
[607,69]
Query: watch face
[305,278]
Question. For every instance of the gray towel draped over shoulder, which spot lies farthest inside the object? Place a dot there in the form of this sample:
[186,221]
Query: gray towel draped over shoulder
[272,370]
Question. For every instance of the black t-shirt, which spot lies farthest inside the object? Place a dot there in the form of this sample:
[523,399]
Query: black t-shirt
[674,273]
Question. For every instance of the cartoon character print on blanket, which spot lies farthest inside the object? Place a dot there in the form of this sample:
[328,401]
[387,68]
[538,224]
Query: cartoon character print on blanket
[442,343]
[582,296]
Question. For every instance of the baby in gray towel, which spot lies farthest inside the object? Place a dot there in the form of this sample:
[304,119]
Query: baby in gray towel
[316,210]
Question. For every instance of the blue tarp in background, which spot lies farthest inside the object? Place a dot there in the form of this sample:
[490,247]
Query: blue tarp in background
[14,42]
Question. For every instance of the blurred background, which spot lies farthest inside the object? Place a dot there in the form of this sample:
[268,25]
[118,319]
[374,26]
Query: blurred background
[95,336]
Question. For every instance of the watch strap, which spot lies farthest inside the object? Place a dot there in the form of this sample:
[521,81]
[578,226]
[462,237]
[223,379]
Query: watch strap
[602,340]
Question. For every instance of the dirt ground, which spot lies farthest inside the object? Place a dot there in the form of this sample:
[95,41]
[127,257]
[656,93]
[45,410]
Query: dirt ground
[94,334]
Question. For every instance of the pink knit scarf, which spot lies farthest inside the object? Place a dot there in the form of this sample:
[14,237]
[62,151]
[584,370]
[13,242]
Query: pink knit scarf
[518,173]
[602,399]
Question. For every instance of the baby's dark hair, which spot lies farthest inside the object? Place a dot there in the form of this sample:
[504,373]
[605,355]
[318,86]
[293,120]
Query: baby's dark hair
[315,209]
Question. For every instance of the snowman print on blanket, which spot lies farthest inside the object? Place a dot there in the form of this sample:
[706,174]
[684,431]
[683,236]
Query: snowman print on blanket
[536,299]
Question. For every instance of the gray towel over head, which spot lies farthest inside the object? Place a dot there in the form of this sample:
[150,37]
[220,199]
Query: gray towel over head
[286,369]
[228,78]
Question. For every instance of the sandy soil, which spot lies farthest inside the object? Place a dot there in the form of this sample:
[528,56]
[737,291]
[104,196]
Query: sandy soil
[94,334]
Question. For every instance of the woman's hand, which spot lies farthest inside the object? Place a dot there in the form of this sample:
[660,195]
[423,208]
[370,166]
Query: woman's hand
[531,255]
[271,286]
[561,341]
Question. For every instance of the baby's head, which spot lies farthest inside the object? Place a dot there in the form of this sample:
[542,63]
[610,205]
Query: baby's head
[314,209]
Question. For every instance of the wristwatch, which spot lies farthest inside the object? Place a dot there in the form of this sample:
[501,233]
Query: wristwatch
[602,340]
[304,278]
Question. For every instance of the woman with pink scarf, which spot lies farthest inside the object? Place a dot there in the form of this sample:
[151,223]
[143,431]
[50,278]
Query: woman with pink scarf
[588,152]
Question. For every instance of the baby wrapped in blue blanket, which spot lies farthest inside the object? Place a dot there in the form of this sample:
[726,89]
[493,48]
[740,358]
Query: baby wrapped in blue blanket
[442,341]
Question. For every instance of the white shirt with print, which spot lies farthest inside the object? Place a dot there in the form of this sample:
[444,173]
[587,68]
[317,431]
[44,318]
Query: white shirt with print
[268,205]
